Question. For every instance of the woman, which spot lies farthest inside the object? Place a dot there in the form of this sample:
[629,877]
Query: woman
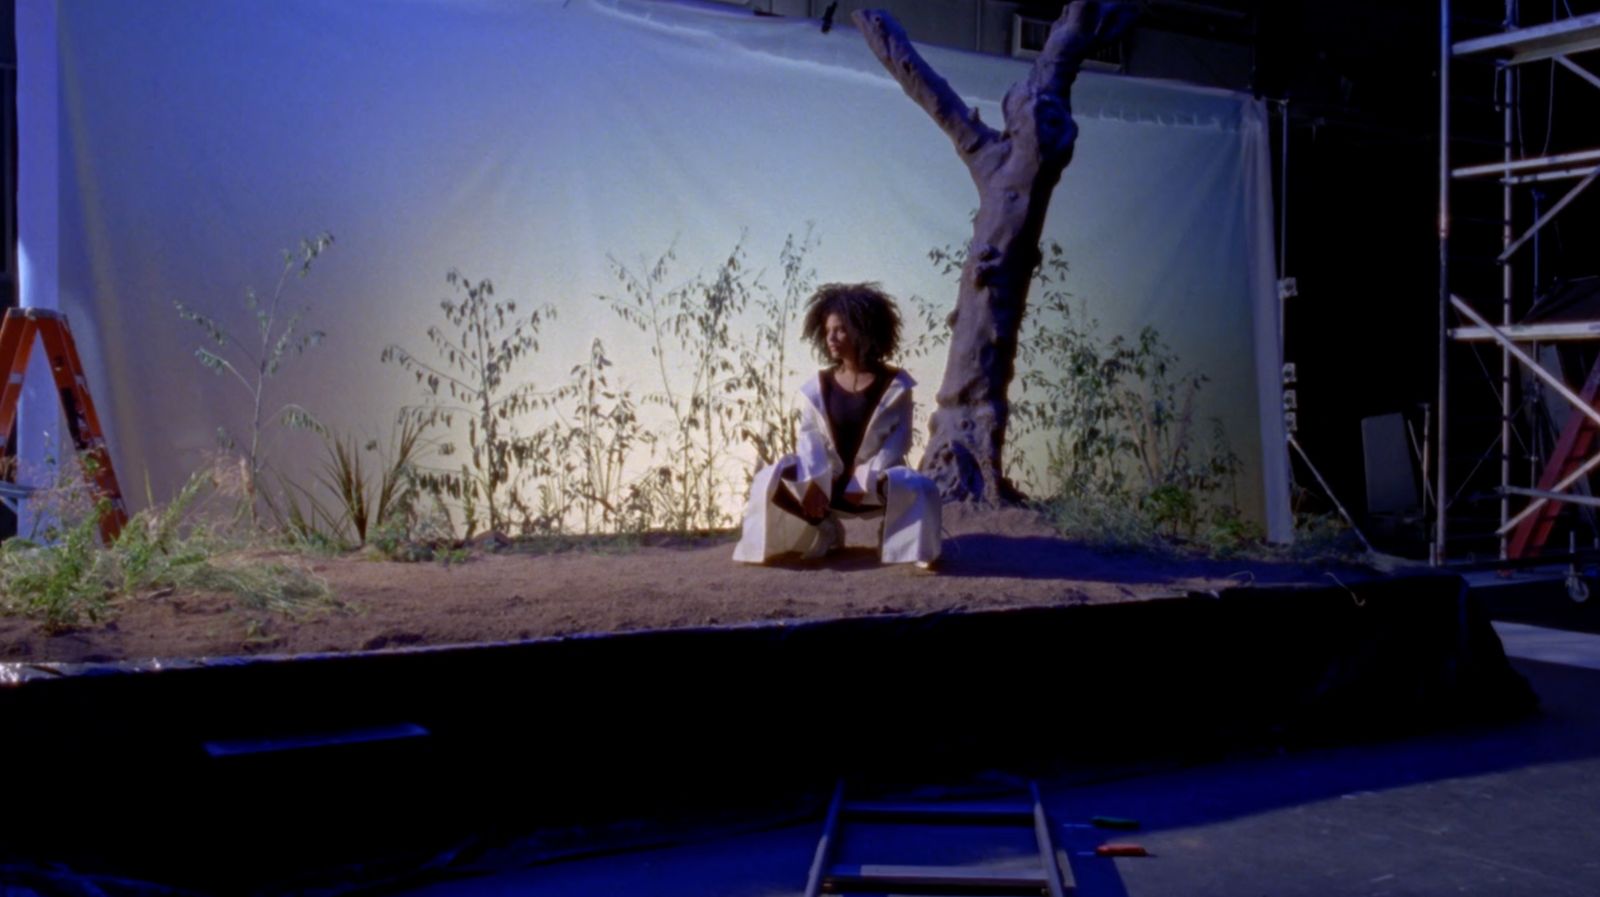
[855,429]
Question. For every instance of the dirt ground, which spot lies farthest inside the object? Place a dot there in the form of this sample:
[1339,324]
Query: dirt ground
[993,559]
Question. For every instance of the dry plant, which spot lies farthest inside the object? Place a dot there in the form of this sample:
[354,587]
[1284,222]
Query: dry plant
[251,363]
[596,441]
[345,505]
[579,457]
[689,329]
[768,415]
[722,382]
[472,377]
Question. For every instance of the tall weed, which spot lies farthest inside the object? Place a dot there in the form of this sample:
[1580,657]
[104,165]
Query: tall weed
[472,376]
[252,363]
[766,410]
[581,456]
[596,440]
[688,327]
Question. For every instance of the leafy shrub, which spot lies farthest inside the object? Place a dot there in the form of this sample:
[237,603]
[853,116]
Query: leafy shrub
[65,582]
[1121,463]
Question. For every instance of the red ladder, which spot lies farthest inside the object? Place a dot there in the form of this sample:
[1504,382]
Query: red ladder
[83,423]
[1571,450]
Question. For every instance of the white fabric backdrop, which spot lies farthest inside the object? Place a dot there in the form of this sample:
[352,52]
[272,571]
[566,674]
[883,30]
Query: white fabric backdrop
[524,141]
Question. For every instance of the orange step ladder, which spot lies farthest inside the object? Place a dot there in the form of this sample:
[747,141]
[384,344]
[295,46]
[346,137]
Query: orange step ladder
[83,423]
[1572,449]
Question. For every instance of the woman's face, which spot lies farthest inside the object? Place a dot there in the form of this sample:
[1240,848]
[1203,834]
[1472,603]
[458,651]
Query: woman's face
[840,346]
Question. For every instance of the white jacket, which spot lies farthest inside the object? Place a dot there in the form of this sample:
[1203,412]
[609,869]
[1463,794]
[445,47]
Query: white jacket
[910,501]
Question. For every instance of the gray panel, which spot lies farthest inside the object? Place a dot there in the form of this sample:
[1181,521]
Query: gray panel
[1391,485]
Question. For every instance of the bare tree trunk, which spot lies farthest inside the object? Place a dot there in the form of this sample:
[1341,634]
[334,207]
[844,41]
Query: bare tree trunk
[1015,171]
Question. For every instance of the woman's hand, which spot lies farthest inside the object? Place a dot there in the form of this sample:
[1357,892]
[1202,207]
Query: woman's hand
[815,502]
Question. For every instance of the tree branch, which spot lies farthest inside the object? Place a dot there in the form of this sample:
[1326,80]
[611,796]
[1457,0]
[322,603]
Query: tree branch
[1084,27]
[926,87]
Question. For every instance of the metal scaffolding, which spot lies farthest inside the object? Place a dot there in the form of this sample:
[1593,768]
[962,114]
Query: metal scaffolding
[1509,50]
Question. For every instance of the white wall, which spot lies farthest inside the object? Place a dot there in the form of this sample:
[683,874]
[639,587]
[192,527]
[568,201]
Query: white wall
[524,141]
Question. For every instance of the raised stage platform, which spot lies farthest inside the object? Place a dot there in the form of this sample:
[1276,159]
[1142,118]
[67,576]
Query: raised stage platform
[188,768]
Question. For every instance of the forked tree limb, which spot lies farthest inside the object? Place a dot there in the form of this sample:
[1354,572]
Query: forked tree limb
[926,87]
[1082,30]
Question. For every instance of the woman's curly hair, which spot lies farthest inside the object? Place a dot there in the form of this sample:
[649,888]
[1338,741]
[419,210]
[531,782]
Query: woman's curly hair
[869,314]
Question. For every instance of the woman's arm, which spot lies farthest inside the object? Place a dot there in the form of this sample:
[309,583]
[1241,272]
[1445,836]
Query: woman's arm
[818,466]
[896,421]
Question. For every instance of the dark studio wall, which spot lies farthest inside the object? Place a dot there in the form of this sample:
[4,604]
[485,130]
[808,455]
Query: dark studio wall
[1362,83]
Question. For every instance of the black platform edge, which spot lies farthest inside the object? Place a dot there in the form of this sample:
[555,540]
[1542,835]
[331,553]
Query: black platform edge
[15,673]
[585,730]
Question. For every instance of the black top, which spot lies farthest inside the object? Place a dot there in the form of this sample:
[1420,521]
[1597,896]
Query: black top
[848,416]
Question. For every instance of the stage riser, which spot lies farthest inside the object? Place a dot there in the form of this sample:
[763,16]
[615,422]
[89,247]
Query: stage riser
[596,729]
